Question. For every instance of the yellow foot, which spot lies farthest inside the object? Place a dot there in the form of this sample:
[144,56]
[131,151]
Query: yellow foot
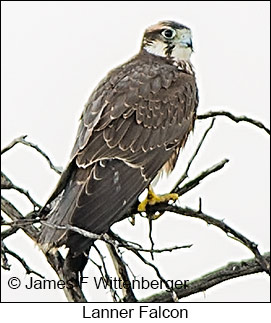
[152,199]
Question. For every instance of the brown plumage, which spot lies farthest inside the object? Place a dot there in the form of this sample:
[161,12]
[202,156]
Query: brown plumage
[133,125]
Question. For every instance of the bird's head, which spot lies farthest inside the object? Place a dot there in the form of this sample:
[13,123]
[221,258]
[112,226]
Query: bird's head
[168,39]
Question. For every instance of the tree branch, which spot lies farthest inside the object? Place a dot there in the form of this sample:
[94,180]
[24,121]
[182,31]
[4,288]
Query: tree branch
[185,174]
[252,246]
[127,291]
[4,260]
[30,144]
[23,262]
[196,181]
[6,183]
[106,276]
[230,271]
[110,238]
[156,250]
[15,215]
[227,114]
[174,297]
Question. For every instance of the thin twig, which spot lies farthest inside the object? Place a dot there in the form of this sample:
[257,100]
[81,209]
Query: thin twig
[6,183]
[185,174]
[22,261]
[150,235]
[4,260]
[145,261]
[18,224]
[174,297]
[196,181]
[129,245]
[212,114]
[193,183]
[156,250]
[116,237]
[110,239]
[114,294]
[30,144]
[21,223]
[11,211]
[106,276]
[13,143]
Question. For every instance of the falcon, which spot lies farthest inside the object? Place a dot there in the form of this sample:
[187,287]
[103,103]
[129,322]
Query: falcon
[132,128]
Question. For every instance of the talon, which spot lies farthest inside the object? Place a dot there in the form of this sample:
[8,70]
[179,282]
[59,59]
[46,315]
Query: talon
[155,216]
[153,199]
[132,219]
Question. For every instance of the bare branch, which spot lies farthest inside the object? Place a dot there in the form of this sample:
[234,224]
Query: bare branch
[185,174]
[193,183]
[106,276]
[22,261]
[4,260]
[85,233]
[56,261]
[30,144]
[15,215]
[230,271]
[145,261]
[120,267]
[131,245]
[13,143]
[9,232]
[109,239]
[157,250]
[6,183]
[149,216]
[227,114]
[219,224]
[196,181]
[174,297]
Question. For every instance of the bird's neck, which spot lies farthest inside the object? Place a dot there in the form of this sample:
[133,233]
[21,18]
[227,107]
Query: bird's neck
[185,66]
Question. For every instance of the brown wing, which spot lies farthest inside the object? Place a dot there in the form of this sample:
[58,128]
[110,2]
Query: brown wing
[133,123]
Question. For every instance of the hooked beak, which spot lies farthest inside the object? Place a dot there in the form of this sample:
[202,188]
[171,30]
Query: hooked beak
[187,42]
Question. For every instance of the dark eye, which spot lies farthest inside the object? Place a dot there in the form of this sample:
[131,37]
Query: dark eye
[169,33]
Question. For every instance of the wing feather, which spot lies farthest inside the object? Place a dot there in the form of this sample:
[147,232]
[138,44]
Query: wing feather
[134,122]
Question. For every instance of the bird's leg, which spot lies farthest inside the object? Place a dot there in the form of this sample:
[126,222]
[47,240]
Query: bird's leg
[153,199]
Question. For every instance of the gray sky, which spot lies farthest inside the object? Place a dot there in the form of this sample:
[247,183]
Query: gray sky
[54,54]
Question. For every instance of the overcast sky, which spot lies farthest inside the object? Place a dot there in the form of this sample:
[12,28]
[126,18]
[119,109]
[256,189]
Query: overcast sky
[54,54]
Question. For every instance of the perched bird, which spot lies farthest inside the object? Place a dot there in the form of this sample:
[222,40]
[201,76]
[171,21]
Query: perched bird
[132,128]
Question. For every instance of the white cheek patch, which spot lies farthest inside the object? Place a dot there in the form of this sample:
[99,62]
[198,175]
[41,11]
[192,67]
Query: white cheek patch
[178,53]
[157,48]
[181,53]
